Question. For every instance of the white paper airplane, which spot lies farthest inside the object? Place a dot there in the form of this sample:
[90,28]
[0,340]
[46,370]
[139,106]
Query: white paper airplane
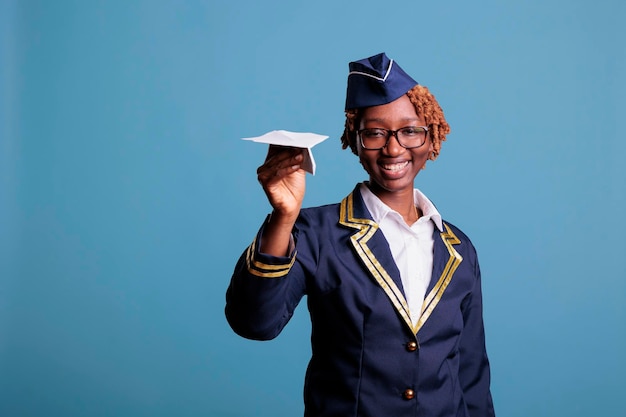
[295,140]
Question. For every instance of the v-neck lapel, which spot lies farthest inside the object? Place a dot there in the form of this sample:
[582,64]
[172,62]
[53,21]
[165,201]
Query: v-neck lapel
[445,262]
[373,250]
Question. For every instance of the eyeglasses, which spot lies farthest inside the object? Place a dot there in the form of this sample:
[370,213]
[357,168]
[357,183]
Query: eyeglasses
[408,137]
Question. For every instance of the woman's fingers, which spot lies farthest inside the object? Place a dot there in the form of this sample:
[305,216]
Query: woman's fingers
[280,161]
[282,179]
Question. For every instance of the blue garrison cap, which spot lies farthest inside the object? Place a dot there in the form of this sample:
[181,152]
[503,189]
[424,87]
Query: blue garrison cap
[376,80]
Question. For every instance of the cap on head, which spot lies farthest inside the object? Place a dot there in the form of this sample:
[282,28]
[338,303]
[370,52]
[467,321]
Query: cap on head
[376,80]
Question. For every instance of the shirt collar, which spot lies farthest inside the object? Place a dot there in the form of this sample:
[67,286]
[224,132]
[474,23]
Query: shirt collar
[379,210]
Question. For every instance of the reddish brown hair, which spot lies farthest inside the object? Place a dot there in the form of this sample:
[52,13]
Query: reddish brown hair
[425,105]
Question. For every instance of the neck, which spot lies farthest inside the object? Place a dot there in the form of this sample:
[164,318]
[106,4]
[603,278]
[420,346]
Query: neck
[413,216]
[401,201]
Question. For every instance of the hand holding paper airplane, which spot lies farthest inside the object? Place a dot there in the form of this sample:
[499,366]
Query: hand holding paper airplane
[295,140]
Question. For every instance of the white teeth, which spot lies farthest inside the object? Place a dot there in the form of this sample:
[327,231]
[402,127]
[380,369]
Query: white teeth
[395,167]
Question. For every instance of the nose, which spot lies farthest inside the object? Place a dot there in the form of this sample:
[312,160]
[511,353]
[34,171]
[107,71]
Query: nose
[393,146]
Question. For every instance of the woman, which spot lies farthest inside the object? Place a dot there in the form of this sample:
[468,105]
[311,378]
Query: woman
[393,291]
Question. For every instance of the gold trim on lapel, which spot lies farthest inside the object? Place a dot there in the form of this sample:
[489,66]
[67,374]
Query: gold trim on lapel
[433,298]
[264,270]
[365,230]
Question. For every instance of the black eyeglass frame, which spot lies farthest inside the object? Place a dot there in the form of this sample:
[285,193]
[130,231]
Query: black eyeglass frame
[391,133]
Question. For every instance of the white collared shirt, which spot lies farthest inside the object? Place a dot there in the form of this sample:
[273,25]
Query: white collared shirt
[411,246]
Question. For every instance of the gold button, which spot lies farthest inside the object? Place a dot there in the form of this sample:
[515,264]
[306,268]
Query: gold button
[411,346]
[408,394]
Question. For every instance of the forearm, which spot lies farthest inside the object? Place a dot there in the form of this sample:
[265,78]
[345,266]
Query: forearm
[256,306]
[276,235]
[263,292]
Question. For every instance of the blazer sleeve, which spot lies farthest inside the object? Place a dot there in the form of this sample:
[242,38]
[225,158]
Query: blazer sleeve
[263,293]
[474,373]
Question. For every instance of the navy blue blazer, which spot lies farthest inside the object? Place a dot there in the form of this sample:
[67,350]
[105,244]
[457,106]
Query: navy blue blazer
[368,359]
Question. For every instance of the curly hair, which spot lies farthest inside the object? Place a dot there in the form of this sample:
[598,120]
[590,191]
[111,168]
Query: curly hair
[425,105]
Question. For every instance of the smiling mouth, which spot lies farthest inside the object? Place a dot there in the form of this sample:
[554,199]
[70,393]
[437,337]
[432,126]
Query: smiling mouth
[395,167]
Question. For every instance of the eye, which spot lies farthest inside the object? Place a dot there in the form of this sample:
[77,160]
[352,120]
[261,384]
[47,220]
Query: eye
[411,131]
[374,133]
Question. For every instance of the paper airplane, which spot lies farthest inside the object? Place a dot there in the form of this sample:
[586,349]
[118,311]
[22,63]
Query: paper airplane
[295,140]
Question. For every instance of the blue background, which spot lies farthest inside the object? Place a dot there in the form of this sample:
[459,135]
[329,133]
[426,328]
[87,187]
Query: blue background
[126,195]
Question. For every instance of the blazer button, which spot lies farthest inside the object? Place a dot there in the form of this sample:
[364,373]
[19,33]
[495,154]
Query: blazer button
[408,394]
[411,346]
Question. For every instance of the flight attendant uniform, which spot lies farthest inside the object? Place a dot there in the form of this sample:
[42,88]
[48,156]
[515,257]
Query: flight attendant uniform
[368,357]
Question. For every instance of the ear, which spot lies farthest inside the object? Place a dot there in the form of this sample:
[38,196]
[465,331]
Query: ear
[431,150]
